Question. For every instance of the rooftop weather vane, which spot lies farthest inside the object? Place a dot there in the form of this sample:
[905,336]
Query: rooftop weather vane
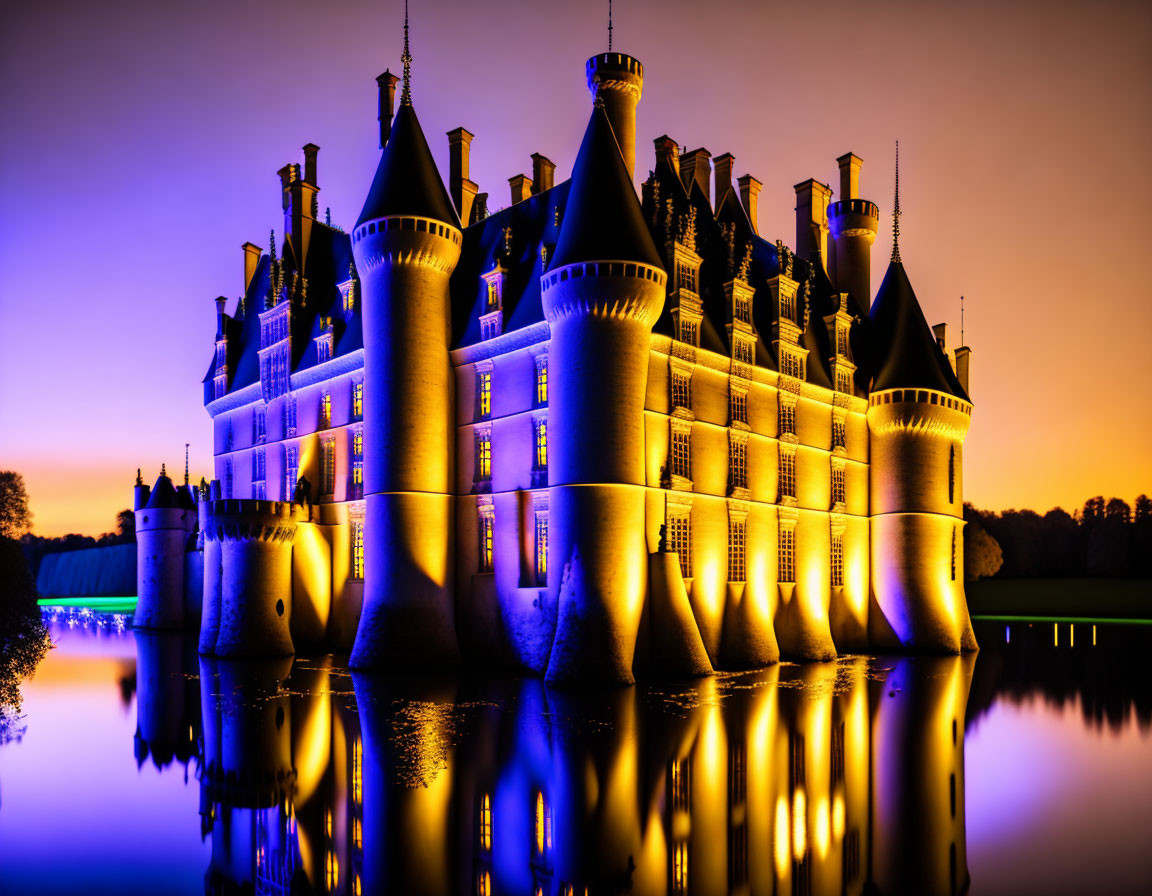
[406,62]
[961,320]
[186,444]
[609,26]
[896,210]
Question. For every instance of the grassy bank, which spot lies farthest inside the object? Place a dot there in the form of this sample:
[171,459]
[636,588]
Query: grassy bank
[1062,598]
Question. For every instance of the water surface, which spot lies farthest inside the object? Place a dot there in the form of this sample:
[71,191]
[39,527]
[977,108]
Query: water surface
[144,769]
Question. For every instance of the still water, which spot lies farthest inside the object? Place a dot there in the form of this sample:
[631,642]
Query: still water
[144,769]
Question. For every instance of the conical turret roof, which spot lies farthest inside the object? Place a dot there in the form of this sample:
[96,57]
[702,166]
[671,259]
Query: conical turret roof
[406,181]
[905,351]
[604,220]
[163,494]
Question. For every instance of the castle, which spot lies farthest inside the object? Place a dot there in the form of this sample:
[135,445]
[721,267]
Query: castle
[590,435]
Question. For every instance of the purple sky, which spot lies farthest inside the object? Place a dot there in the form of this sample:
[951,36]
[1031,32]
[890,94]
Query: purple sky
[141,142]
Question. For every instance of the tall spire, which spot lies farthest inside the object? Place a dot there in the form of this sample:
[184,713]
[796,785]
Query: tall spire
[609,26]
[406,62]
[961,320]
[186,444]
[896,210]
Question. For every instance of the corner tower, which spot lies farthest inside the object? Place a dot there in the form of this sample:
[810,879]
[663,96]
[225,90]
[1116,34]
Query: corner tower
[601,295]
[918,417]
[164,520]
[406,244]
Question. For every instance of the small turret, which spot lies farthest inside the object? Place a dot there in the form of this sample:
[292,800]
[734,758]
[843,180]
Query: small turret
[163,525]
[618,80]
[854,223]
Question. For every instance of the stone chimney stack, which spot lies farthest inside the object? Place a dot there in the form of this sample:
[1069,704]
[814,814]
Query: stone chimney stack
[722,177]
[750,198]
[963,356]
[310,152]
[221,302]
[694,167]
[940,331]
[853,223]
[849,175]
[252,254]
[543,173]
[462,189]
[300,206]
[521,186]
[387,84]
[812,199]
[618,80]
[667,150]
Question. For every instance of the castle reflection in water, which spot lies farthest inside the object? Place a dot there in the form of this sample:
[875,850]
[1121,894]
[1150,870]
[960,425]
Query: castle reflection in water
[822,778]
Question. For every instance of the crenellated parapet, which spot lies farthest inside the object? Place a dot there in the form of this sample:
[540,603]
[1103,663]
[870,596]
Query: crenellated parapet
[618,290]
[407,240]
[241,519]
[918,411]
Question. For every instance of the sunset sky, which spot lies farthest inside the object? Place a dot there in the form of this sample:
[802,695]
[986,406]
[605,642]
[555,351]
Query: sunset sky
[141,142]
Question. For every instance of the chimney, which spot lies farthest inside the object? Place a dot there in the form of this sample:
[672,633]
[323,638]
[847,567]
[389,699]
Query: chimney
[387,84]
[521,186]
[750,196]
[285,175]
[463,190]
[694,167]
[722,176]
[668,151]
[310,151]
[543,173]
[221,301]
[812,220]
[252,254]
[300,209]
[940,331]
[963,354]
[849,175]
[479,208]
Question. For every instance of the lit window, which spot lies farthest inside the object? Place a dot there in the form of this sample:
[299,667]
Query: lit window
[325,410]
[681,391]
[680,540]
[328,466]
[487,521]
[838,485]
[541,381]
[787,556]
[688,331]
[837,560]
[543,826]
[540,459]
[742,351]
[787,474]
[843,381]
[332,871]
[842,341]
[323,348]
[787,418]
[736,541]
[493,294]
[686,276]
[541,549]
[681,774]
[357,759]
[358,401]
[681,459]
[483,882]
[742,311]
[738,404]
[680,867]
[485,396]
[838,432]
[357,463]
[791,365]
[259,425]
[485,823]
[483,456]
[737,463]
[358,549]
[787,306]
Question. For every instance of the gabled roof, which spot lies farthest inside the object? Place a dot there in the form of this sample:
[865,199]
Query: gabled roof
[905,351]
[603,221]
[406,181]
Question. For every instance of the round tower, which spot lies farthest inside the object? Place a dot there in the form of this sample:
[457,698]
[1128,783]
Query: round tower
[406,244]
[918,416]
[213,581]
[601,296]
[256,573]
[162,527]
[617,80]
[853,223]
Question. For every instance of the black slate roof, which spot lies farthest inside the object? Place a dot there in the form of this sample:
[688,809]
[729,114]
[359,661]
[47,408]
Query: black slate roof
[406,181]
[163,494]
[604,221]
[904,351]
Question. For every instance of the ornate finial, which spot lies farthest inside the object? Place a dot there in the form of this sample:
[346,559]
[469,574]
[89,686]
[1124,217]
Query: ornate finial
[609,26]
[139,477]
[163,470]
[186,462]
[406,62]
[896,210]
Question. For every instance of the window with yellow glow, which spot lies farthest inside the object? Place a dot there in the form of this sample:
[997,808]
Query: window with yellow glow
[357,401]
[681,391]
[332,871]
[680,773]
[787,554]
[483,882]
[838,485]
[541,381]
[742,351]
[541,549]
[680,461]
[486,527]
[838,432]
[736,552]
[357,770]
[325,410]
[737,463]
[493,295]
[356,885]
[540,460]
[680,540]
[742,312]
[787,306]
[484,399]
[543,826]
[738,407]
[485,822]
[787,474]
[791,365]
[688,331]
[483,456]
[842,341]
[686,276]
[358,549]
[837,560]
[843,381]
[787,418]
[680,867]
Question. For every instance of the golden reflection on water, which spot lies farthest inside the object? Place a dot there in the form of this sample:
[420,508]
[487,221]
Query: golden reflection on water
[816,779]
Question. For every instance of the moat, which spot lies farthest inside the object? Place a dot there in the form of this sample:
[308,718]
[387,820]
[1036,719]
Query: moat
[143,768]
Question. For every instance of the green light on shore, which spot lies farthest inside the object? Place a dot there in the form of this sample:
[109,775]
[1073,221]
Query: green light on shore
[97,604]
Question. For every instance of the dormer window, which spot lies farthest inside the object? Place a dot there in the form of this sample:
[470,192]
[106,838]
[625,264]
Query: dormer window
[842,341]
[686,276]
[843,381]
[493,301]
[791,365]
[323,348]
[742,351]
[742,310]
[688,331]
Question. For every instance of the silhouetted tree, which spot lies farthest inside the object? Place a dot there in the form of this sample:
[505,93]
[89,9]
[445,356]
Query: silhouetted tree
[23,635]
[982,555]
[15,517]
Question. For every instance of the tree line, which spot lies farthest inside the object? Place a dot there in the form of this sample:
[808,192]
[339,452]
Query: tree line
[1102,539]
